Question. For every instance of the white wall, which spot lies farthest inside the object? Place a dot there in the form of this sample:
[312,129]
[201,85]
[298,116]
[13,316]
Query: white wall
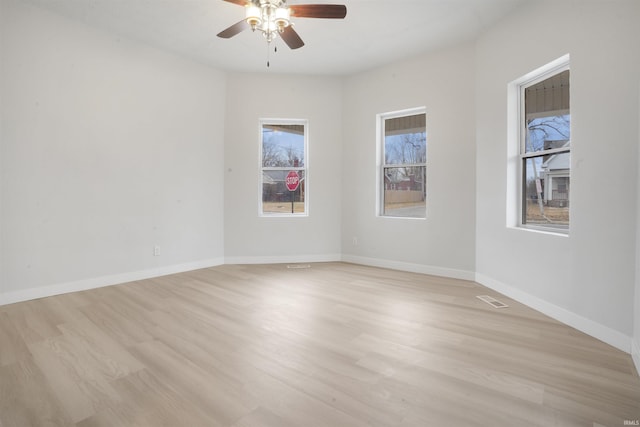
[248,237]
[586,279]
[443,243]
[635,350]
[108,148]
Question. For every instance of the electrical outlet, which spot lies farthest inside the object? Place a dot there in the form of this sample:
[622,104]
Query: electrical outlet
[156,250]
[355,241]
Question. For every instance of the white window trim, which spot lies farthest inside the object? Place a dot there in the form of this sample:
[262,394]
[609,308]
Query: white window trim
[305,123]
[380,131]
[516,152]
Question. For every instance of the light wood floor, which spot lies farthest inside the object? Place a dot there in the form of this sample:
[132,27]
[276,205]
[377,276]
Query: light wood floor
[333,345]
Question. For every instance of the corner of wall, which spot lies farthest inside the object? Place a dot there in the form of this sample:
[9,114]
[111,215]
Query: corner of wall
[635,354]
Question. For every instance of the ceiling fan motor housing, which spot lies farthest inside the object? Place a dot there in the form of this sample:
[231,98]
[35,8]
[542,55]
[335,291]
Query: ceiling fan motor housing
[268,16]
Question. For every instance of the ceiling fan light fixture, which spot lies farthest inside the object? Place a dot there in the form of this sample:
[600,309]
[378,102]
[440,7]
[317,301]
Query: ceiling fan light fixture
[282,18]
[253,16]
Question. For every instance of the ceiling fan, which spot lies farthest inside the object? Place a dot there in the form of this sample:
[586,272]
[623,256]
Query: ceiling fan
[273,18]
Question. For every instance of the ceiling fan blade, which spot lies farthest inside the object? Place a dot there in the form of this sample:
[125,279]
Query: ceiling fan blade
[291,38]
[238,2]
[236,28]
[331,11]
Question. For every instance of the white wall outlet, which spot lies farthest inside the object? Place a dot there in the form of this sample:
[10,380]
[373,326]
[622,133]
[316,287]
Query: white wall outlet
[156,250]
[355,241]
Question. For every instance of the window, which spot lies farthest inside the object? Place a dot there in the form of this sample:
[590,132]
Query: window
[402,171]
[283,163]
[545,148]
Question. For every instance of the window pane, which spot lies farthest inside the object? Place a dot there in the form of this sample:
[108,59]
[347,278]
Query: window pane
[550,94]
[405,191]
[405,140]
[548,132]
[547,112]
[547,190]
[282,145]
[276,198]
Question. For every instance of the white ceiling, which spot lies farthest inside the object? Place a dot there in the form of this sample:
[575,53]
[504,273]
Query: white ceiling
[375,32]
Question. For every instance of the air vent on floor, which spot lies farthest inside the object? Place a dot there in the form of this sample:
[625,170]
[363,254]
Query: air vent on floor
[298,266]
[492,301]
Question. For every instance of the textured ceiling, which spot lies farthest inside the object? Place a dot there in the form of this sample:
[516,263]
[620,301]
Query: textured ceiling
[375,32]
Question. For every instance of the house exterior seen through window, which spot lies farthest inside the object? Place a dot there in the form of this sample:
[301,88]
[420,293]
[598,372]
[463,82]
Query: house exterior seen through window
[403,164]
[283,160]
[545,150]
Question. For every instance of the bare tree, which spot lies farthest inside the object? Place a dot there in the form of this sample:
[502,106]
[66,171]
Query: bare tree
[546,129]
[409,149]
[270,154]
[277,155]
[542,134]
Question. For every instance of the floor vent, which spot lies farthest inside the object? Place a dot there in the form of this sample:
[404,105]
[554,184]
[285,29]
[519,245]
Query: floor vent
[298,266]
[492,301]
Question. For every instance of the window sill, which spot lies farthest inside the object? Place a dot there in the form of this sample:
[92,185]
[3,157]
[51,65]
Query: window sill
[414,218]
[299,215]
[543,230]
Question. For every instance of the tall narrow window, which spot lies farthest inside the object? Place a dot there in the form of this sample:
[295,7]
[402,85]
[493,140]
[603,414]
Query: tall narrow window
[283,160]
[545,149]
[403,165]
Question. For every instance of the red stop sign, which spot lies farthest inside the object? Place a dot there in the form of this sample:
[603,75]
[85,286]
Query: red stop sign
[292,181]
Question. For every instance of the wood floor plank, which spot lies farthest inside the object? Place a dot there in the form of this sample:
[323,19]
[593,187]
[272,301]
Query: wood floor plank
[325,383]
[33,321]
[296,406]
[207,392]
[81,390]
[333,344]
[116,324]
[98,352]
[26,399]
[147,401]
[12,346]
[261,417]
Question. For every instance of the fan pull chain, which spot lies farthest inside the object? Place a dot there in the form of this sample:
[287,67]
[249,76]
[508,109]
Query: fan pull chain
[275,50]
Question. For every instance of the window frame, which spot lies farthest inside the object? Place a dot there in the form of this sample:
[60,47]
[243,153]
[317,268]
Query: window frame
[304,167]
[381,165]
[543,73]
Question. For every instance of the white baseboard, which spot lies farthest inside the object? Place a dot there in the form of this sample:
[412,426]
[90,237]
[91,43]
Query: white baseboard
[98,282]
[635,354]
[284,259]
[589,327]
[410,267]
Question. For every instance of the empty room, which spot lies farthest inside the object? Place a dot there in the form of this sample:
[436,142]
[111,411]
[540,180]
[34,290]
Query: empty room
[278,213]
